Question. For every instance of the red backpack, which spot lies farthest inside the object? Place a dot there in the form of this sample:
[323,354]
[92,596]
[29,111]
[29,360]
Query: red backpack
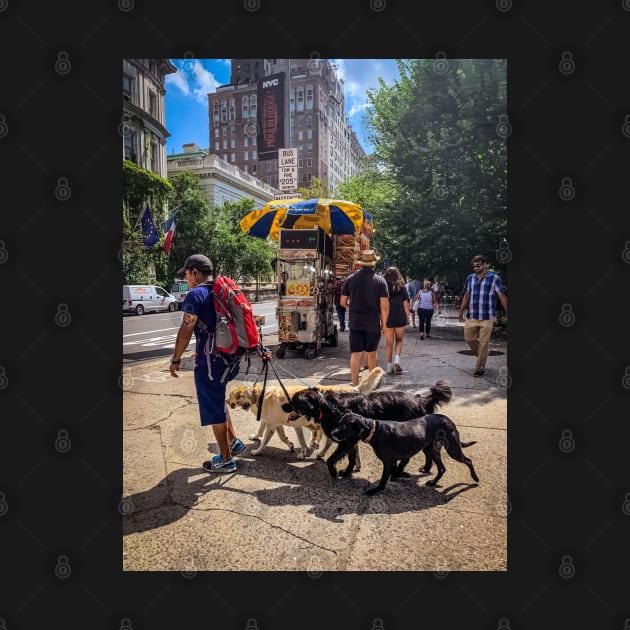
[236,332]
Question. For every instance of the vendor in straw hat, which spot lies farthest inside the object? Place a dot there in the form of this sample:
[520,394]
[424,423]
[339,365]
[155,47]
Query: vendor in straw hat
[365,295]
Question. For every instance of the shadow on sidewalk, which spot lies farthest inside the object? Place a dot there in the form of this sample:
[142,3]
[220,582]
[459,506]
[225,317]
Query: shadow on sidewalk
[308,485]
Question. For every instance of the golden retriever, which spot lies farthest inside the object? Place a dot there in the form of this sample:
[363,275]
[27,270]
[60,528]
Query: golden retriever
[273,419]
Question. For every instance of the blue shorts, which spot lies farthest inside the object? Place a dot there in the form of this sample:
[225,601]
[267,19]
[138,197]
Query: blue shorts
[364,340]
[211,393]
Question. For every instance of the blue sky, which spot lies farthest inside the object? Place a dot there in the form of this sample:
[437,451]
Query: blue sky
[186,102]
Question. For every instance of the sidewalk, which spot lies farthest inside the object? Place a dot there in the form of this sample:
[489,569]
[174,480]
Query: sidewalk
[279,513]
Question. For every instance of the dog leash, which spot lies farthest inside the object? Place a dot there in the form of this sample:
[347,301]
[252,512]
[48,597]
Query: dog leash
[262,393]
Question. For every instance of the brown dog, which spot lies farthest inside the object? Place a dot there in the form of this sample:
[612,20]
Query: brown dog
[274,419]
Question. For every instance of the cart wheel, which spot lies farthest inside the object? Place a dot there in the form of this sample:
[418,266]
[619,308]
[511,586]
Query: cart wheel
[280,352]
[309,353]
[334,338]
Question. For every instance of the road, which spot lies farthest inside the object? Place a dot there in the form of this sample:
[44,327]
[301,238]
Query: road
[152,336]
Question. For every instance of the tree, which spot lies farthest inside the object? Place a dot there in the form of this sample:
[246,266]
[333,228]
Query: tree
[435,134]
[215,232]
[316,190]
[142,188]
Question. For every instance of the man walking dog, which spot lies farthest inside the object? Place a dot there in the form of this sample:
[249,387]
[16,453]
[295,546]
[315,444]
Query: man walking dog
[199,316]
[481,289]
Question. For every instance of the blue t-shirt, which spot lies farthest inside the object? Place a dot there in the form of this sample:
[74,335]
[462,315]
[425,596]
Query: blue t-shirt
[483,295]
[199,302]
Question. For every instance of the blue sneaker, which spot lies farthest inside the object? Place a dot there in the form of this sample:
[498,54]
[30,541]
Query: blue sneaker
[236,446]
[218,464]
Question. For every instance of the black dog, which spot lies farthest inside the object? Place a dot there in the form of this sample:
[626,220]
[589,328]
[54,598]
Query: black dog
[328,408]
[395,443]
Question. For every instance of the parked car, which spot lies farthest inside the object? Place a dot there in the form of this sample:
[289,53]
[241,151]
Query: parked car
[144,298]
[180,289]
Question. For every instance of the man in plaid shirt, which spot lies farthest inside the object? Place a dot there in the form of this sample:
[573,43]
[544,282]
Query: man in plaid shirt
[481,290]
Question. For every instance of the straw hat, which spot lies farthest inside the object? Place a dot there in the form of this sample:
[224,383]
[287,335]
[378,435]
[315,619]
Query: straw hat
[368,258]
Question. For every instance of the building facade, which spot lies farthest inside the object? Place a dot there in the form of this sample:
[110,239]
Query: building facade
[313,120]
[220,181]
[143,124]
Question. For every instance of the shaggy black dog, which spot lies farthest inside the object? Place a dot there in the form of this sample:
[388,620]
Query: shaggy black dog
[395,443]
[328,408]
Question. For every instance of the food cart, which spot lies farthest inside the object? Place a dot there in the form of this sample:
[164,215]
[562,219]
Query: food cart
[305,267]
[319,240]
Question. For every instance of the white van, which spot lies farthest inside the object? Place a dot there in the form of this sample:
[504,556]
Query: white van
[141,298]
[179,289]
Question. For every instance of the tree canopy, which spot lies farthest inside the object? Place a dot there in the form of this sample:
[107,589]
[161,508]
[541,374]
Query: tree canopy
[441,156]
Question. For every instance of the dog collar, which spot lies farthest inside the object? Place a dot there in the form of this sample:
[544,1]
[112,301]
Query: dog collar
[371,433]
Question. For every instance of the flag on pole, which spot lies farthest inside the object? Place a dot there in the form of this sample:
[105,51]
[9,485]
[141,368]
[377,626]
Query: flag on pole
[169,230]
[149,232]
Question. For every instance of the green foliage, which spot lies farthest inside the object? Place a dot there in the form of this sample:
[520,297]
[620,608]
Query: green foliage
[316,190]
[216,233]
[435,136]
[141,188]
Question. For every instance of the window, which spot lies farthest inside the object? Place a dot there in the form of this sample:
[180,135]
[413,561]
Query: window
[225,158]
[217,146]
[233,157]
[252,106]
[309,162]
[309,148]
[301,178]
[215,115]
[224,131]
[253,141]
[309,134]
[309,177]
[300,99]
[127,87]
[245,156]
[152,104]
[245,141]
[309,97]
[225,144]
[300,121]
[268,167]
[223,110]
[300,163]
[129,146]
[232,109]
[245,106]
[253,165]
[154,157]
[253,158]
[245,166]
[232,144]
[216,132]
[309,121]
[300,135]
[232,131]
[292,100]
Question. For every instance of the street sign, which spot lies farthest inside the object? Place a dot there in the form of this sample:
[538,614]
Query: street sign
[287,157]
[295,195]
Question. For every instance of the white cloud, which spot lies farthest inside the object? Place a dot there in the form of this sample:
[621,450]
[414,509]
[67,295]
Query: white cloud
[192,79]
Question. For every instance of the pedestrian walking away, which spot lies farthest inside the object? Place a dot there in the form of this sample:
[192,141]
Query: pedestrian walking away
[365,295]
[210,373]
[481,290]
[341,310]
[397,319]
[413,286]
[427,303]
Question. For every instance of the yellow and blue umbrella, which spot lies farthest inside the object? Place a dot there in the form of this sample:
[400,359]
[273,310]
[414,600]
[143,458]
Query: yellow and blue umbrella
[334,216]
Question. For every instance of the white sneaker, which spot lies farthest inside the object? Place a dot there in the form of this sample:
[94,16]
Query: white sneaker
[390,369]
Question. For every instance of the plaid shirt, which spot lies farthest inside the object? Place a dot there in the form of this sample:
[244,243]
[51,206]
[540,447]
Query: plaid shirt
[483,295]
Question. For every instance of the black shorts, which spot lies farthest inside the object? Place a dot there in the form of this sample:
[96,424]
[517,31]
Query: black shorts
[364,340]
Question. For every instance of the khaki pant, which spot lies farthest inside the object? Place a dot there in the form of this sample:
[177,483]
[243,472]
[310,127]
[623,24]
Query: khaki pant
[477,335]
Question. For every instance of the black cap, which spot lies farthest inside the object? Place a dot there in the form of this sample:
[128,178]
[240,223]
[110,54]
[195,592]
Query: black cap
[196,261]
